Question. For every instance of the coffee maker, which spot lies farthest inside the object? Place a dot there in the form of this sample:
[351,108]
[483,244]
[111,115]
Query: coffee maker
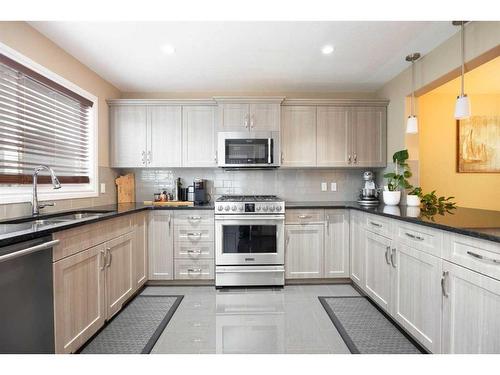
[369,192]
[200,192]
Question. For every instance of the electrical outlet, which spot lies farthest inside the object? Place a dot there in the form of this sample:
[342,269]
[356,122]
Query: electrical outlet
[333,186]
[324,186]
[103,187]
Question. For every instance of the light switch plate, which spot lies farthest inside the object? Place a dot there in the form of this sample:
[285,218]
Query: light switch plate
[324,186]
[333,186]
[103,187]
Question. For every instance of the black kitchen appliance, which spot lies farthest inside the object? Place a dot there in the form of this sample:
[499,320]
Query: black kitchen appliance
[200,192]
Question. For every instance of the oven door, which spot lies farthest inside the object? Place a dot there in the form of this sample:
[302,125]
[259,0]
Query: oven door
[249,240]
[248,150]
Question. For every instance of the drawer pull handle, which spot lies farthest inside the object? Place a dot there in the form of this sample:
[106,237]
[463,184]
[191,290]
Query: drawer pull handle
[414,237]
[496,261]
[198,252]
[443,281]
[194,217]
[376,224]
[194,270]
[194,234]
[304,216]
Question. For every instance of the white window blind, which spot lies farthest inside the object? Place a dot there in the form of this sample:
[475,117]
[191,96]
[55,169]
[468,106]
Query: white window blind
[41,122]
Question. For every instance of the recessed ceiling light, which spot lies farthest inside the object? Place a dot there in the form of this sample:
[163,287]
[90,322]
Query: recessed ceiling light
[168,49]
[327,50]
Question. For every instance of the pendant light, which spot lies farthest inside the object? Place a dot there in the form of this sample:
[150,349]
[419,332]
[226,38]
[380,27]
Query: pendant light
[412,123]
[462,106]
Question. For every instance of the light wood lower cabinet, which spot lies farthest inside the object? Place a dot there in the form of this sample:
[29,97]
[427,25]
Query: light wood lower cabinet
[304,251]
[336,252]
[416,299]
[357,251]
[119,272]
[378,269]
[79,304]
[471,307]
[161,245]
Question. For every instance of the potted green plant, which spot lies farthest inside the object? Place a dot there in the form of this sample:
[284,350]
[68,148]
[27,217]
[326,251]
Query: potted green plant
[397,180]
[413,197]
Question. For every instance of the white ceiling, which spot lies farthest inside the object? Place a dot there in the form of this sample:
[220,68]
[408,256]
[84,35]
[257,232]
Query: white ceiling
[246,56]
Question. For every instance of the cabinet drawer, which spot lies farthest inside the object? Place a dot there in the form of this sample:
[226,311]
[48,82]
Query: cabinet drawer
[194,218]
[200,250]
[478,255]
[304,216]
[186,233]
[194,269]
[420,237]
[74,240]
[378,224]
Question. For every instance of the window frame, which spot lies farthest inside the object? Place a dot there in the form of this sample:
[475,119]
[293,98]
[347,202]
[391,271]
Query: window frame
[23,193]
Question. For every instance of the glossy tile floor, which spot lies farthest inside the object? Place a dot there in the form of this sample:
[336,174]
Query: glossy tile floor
[288,320]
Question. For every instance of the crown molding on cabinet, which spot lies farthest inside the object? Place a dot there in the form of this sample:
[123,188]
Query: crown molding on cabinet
[249,99]
[162,102]
[337,102]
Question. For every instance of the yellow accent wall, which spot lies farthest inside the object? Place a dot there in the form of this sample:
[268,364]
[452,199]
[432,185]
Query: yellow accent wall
[438,139]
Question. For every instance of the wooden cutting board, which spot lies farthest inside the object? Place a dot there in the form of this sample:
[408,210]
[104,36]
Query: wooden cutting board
[170,204]
[125,188]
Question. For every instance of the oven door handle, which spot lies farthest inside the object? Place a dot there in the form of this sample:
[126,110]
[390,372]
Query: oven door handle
[250,217]
[249,271]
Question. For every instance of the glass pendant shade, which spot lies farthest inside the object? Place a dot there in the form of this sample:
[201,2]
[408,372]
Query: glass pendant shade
[412,125]
[462,107]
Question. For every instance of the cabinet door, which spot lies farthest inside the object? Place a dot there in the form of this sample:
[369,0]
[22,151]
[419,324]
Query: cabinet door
[337,243]
[161,245]
[357,253]
[471,307]
[140,249]
[369,139]
[79,306]
[164,137]
[119,272]
[304,251]
[333,137]
[128,136]
[264,116]
[234,117]
[198,133]
[298,136]
[378,269]
[417,295]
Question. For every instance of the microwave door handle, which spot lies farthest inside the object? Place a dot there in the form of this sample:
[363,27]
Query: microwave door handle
[269,150]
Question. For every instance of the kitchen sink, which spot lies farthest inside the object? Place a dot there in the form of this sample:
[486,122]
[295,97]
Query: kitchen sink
[79,215]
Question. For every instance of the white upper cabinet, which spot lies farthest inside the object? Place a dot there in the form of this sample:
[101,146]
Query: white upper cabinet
[298,136]
[198,136]
[249,114]
[333,137]
[164,136]
[369,139]
[128,132]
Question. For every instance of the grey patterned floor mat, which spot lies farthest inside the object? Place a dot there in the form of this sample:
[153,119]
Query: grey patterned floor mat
[136,328]
[365,329]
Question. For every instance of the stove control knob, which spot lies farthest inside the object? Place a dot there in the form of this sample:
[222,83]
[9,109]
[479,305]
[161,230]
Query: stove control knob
[264,208]
[271,208]
[220,208]
[233,207]
[240,208]
[258,208]
[278,208]
[226,208]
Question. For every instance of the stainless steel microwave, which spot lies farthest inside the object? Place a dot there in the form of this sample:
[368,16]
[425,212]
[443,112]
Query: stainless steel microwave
[248,149]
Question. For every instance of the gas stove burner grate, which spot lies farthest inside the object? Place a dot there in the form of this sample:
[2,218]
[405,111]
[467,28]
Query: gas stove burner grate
[248,198]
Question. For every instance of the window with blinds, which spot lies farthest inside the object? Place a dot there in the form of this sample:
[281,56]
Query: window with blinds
[41,122]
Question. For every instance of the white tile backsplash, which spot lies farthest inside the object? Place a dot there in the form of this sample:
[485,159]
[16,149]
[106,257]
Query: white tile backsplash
[289,184]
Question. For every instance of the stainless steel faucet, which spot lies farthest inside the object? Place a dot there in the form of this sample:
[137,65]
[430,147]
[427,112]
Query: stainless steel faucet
[55,183]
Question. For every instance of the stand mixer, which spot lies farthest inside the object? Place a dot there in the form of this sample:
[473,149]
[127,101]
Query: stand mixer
[369,193]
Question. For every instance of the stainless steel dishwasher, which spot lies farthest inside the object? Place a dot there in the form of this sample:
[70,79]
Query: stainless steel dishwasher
[26,297]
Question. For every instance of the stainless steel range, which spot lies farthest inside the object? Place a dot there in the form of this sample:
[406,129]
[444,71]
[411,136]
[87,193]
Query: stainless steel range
[249,240]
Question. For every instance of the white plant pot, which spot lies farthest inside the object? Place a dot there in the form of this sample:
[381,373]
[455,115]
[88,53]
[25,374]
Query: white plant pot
[413,200]
[392,198]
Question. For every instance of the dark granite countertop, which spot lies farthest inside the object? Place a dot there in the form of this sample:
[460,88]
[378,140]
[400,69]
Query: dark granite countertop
[20,229]
[484,224]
